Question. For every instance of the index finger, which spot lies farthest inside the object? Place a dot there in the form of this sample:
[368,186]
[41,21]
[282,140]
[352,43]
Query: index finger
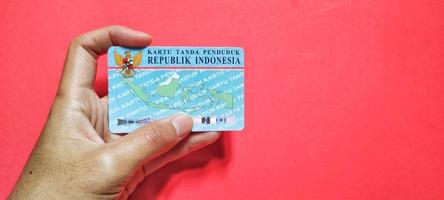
[81,61]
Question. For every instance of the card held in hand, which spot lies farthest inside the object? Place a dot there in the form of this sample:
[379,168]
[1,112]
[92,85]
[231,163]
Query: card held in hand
[155,82]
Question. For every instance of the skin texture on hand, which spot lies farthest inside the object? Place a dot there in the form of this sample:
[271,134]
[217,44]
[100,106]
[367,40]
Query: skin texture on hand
[76,157]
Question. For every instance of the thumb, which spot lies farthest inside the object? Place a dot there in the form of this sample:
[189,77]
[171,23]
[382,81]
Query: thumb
[150,141]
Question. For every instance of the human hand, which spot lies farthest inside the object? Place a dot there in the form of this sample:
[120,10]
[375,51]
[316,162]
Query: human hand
[76,157]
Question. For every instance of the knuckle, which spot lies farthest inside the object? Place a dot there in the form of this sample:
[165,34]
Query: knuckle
[80,41]
[107,163]
[76,42]
[157,133]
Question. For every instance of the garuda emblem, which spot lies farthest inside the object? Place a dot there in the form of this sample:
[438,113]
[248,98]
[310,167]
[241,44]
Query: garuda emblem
[127,63]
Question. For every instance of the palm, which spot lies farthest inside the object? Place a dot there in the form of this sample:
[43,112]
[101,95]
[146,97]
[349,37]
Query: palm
[95,111]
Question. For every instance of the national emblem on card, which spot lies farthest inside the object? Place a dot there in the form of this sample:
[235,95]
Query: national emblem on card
[127,63]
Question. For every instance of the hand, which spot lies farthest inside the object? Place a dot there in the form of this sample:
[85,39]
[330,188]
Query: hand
[76,157]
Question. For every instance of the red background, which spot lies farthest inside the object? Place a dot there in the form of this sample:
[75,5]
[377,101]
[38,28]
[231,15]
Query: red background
[344,98]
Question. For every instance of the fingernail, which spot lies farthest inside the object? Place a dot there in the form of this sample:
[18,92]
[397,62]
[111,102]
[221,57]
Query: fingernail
[182,123]
[141,33]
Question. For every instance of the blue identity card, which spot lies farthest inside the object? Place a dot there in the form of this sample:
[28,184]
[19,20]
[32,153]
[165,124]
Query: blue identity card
[156,82]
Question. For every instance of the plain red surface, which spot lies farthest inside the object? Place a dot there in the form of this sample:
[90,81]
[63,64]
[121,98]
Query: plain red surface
[344,98]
